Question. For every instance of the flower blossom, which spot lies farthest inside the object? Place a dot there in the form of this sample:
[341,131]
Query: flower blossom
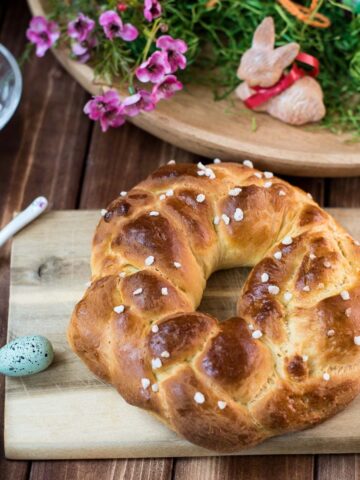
[175,49]
[81,50]
[152,9]
[43,34]
[106,108]
[166,88]
[142,100]
[81,28]
[122,7]
[113,27]
[154,68]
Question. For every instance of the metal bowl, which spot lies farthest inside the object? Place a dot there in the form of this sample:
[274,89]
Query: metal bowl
[10,86]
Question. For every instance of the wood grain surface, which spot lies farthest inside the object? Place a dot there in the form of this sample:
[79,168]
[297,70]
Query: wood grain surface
[39,153]
[129,154]
[192,120]
[56,414]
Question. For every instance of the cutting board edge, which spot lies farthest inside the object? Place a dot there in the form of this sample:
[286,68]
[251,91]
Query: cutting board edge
[310,446]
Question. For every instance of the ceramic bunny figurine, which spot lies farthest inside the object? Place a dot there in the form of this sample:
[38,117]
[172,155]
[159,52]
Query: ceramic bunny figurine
[262,65]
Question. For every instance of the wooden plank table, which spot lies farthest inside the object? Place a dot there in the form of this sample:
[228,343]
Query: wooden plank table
[51,148]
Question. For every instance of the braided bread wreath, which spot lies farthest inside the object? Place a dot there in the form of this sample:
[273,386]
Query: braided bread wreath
[291,356]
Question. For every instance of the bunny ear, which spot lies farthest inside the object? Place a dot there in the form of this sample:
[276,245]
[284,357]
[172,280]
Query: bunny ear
[264,36]
[284,56]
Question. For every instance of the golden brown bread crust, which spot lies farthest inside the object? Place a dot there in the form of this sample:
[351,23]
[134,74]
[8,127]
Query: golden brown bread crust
[290,358]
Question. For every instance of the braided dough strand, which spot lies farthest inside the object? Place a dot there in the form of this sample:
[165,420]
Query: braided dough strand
[288,360]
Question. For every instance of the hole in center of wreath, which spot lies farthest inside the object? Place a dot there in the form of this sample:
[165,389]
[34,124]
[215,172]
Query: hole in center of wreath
[222,292]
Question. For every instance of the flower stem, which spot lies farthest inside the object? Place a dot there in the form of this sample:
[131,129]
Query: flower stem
[151,38]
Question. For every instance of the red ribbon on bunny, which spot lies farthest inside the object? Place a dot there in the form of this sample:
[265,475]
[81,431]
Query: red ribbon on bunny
[263,94]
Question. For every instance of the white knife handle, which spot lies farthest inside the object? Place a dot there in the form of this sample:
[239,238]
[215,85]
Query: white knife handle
[36,208]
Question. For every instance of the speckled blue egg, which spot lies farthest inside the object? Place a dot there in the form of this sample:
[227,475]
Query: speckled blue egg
[26,356]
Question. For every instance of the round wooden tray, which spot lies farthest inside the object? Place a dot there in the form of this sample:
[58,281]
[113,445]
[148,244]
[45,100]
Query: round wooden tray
[194,121]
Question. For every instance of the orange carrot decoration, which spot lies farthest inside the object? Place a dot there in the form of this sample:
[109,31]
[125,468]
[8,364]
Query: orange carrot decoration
[308,15]
[212,3]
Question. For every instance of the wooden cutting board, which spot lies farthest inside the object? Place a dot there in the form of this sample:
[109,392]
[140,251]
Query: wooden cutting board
[65,412]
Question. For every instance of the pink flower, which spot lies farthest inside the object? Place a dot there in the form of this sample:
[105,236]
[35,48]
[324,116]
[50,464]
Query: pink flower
[114,27]
[82,50]
[43,34]
[152,9]
[81,27]
[154,69]
[107,109]
[142,100]
[166,88]
[175,48]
